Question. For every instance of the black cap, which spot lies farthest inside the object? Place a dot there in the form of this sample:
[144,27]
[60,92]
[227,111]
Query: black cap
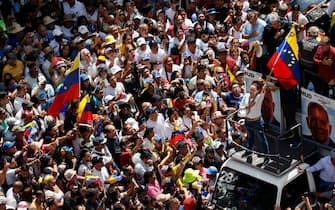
[153,43]
[296,7]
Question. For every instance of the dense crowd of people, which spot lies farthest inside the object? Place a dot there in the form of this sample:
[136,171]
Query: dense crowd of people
[161,77]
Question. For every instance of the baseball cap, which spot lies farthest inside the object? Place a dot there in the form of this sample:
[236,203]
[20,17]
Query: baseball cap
[296,7]
[217,115]
[13,121]
[209,149]
[102,67]
[83,29]
[211,170]
[151,110]
[108,98]
[146,57]
[157,138]
[7,145]
[198,136]
[239,73]
[196,160]
[116,69]
[83,77]
[99,140]
[217,144]
[109,40]
[57,32]
[78,40]
[108,49]
[67,149]
[181,144]
[153,43]
[141,41]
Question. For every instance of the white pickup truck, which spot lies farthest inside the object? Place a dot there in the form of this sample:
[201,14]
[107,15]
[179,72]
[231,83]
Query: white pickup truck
[259,184]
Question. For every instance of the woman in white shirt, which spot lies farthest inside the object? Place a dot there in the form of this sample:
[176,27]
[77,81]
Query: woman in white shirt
[251,107]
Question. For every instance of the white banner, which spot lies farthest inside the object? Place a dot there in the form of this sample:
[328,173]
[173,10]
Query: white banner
[271,108]
[318,116]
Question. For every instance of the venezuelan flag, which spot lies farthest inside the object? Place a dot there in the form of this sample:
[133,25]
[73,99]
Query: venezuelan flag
[27,130]
[94,179]
[69,90]
[84,110]
[284,63]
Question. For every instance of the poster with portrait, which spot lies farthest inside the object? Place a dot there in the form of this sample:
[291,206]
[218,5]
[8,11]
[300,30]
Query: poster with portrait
[271,109]
[317,117]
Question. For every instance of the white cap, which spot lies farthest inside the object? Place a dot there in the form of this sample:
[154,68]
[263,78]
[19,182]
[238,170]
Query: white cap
[83,29]
[115,69]
[108,98]
[57,32]
[141,41]
[41,79]
[133,123]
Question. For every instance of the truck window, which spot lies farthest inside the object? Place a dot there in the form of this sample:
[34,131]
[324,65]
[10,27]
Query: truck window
[293,191]
[235,190]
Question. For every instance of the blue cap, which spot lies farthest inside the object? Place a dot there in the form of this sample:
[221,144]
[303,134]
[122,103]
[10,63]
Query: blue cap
[8,145]
[157,138]
[148,80]
[212,170]
[151,110]
[84,77]
[181,144]
[146,57]
[198,136]
[99,140]
[67,149]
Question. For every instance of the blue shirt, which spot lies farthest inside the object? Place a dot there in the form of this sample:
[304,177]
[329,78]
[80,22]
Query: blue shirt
[233,101]
[249,29]
[326,168]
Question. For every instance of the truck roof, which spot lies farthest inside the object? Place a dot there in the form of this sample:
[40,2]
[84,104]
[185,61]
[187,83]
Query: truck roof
[274,172]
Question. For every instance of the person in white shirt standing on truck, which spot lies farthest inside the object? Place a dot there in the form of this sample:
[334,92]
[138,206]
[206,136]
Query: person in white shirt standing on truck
[251,111]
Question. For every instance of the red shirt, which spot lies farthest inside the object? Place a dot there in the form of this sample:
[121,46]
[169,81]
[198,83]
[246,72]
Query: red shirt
[325,72]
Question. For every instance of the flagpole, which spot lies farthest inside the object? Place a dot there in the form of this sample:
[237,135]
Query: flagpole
[79,66]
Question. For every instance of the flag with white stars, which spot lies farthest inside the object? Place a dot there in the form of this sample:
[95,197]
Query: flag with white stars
[68,90]
[284,63]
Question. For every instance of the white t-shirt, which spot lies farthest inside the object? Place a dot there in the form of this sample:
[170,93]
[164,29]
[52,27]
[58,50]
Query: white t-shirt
[77,10]
[158,57]
[114,91]
[302,20]
[160,127]
[256,110]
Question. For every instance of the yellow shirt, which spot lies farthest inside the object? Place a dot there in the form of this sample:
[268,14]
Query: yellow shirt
[16,71]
